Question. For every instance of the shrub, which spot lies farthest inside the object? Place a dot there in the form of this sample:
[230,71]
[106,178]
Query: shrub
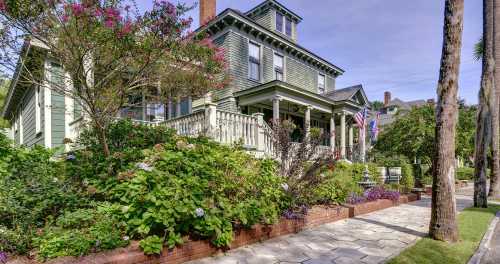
[407,181]
[465,173]
[79,232]
[199,188]
[373,194]
[34,188]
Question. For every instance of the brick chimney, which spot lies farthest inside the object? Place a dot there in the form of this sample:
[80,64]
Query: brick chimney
[387,98]
[207,10]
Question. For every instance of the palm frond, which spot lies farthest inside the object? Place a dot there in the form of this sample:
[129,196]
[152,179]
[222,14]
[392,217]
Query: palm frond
[479,50]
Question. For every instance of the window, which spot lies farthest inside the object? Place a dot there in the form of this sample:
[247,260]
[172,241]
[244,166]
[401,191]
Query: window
[279,22]
[321,83]
[254,61]
[288,27]
[38,110]
[278,66]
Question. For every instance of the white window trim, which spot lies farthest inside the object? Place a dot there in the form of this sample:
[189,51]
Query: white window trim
[283,68]
[47,96]
[261,75]
[283,26]
[324,83]
[21,134]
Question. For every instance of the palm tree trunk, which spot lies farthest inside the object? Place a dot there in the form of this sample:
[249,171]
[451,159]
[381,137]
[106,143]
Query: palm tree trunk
[443,225]
[485,110]
[494,191]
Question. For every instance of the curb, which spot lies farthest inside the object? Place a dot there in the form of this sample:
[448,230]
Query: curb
[485,242]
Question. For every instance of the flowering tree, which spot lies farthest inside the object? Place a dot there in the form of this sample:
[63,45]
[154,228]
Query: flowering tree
[106,53]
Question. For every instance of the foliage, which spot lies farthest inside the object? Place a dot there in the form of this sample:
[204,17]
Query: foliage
[299,163]
[4,88]
[199,188]
[464,173]
[412,134]
[407,181]
[479,49]
[152,245]
[377,105]
[79,232]
[372,194]
[472,224]
[34,187]
[109,52]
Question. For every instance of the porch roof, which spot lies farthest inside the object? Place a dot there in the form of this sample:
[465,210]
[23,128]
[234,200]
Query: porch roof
[289,92]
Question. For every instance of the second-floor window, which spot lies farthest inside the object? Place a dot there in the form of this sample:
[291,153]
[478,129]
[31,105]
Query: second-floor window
[254,61]
[278,66]
[288,27]
[279,22]
[321,83]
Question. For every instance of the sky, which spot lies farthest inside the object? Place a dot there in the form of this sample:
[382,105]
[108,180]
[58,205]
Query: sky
[385,45]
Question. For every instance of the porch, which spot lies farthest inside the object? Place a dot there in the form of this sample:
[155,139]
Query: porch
[259,106]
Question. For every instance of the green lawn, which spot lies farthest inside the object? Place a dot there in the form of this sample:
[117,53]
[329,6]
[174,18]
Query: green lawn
[472,224]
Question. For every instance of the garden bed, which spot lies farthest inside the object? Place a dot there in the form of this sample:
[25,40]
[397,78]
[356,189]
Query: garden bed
[192,250]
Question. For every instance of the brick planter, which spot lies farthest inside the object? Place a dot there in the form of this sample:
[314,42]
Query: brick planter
[368,207]
[192,250]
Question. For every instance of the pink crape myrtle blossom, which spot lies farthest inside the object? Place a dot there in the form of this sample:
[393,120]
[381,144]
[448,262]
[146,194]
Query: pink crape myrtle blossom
[3,6]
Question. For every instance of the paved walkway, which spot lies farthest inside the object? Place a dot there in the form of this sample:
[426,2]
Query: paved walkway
[492,256]
[370,238]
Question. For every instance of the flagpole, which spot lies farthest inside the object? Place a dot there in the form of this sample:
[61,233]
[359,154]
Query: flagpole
[363,144]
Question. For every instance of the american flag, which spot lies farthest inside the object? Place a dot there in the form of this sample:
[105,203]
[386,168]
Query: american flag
[374,128]
[360,117]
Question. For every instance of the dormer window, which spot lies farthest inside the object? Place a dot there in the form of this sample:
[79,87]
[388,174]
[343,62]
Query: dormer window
[321,83]
[279,22]
[288,27]
[278,66]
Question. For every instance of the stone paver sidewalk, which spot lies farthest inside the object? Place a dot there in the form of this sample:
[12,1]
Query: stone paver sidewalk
[370,238]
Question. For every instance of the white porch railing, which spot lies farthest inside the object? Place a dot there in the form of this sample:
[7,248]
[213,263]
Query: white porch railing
[228,128]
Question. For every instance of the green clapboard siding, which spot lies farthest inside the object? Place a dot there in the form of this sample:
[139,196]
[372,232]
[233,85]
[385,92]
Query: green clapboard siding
[30,137]
[266,19]
[57,110]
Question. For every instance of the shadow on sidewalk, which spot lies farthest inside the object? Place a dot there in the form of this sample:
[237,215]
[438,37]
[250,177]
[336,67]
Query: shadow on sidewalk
[393,227]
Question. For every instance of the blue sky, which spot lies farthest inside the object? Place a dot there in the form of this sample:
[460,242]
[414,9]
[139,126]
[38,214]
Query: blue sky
[390,45]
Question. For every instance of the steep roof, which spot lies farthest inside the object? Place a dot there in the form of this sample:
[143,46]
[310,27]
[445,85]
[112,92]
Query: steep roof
[406,105]
[344,93]
[273,4]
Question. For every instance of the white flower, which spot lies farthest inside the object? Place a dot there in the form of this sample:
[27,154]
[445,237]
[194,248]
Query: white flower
[199,212]
[190,146]
[54,179]
[143,166]
[284,186]
[126,238]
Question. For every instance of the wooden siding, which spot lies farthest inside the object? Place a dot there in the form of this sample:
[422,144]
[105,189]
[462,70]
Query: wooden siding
[266,19]
[57,112]
[235,44]
[30,138]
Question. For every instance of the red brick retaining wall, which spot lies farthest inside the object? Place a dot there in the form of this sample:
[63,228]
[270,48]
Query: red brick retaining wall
[192,250]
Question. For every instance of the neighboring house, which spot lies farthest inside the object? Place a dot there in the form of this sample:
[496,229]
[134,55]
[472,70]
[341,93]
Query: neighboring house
[272,77]
[396,106]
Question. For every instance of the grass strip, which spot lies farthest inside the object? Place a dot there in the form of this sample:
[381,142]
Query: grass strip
[472,224]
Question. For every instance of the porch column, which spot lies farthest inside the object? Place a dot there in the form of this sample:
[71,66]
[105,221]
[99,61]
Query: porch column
[332,132]
[362,132]
[178,107]
[170,109]
[190,105]
[342,135]
[307,120]
[351,137]
[276,109]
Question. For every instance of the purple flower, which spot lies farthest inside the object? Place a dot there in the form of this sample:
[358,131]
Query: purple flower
[3,255]
[354,198]
[77,9]
[109,23]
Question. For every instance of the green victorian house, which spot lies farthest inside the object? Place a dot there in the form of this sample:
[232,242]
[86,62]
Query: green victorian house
[272,78]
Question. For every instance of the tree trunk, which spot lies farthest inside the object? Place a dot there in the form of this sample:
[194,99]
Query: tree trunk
[103,139]
[485,110]
[494,191]
[443,224]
